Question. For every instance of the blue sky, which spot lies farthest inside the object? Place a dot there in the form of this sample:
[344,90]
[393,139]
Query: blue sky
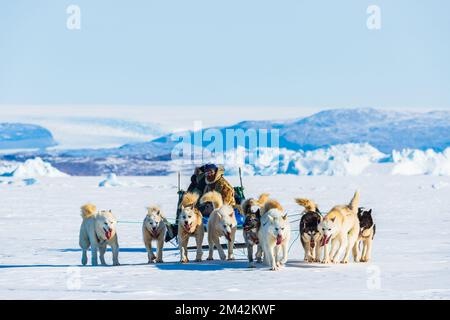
[302,53]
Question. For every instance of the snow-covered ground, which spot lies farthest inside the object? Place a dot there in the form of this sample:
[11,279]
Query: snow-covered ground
[40,257]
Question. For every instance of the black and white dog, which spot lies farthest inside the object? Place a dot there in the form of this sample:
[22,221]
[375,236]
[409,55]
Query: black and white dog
[251,208]
[309,232]
[366,235]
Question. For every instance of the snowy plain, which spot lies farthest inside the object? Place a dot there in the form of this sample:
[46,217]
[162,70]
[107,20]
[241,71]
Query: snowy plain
[40,257]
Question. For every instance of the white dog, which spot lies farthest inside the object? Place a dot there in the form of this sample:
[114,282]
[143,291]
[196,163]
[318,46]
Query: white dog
[97,230]
[154,228]
[274,234]
[221,223]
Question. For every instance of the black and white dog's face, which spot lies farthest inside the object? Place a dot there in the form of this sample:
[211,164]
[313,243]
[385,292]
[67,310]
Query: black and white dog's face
[365,219]
[252,221]
[309,224]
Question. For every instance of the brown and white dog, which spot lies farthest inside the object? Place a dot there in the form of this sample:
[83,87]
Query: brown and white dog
[341,226]
[251,208]
[190,224]
[154,229]
[98,230]
[221,223]
[309,231]
[274,234]
[366,235]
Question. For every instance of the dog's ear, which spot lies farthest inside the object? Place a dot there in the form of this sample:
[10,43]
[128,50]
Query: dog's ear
[219,215]
[370,211]
[284,217]
[332,219]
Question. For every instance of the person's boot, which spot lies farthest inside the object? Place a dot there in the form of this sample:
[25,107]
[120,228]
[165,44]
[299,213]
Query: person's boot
[172,231]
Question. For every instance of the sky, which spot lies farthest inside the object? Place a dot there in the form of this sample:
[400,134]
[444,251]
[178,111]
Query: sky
[299,53]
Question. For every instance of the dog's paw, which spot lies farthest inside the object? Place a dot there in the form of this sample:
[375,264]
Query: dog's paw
[344,261]
[275,268]
[364,260]
[184,260]
[325,261]
[231,258]
[259,260]
[210,258]
[159,261]
[198,260]
[223,258]
[116,264]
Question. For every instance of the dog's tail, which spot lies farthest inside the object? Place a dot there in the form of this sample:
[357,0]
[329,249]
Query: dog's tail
[272,204]
[309,205]
[263,199]
[214,197]
[189,199]
[354,203]
[88,211]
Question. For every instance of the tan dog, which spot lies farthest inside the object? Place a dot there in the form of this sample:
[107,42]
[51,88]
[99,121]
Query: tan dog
[221,223]
[190,224]
[154,228]
[98,230]
[252,211]
[309,233]
[274,234]
[341,226]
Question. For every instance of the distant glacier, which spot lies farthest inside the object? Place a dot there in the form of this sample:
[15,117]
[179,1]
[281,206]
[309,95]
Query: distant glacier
[385,131]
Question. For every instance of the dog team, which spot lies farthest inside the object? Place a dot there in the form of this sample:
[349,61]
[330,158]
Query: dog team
[329,238]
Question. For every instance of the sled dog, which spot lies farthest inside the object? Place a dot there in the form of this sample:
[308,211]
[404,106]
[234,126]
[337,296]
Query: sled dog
[190,224]
[309,232]
[251,209]
[341,226]
[274,234]
[221,223]
[154,228]
[366,235]
[97,230]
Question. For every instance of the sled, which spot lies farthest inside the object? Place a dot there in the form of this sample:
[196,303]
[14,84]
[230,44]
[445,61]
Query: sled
[239,198]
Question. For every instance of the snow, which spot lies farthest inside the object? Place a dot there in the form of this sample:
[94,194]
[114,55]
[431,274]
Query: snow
[40,257]
[35,168]
[414,162]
